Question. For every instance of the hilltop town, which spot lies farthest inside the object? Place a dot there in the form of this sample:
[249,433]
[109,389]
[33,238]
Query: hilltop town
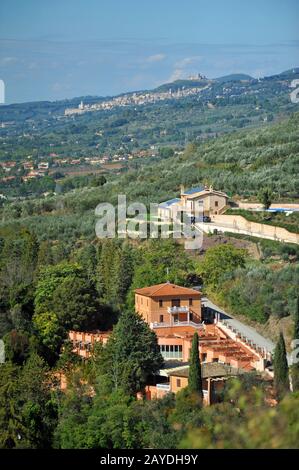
[142,98]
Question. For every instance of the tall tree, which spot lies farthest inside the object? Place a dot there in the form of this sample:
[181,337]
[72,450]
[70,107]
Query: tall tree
[45,256]
[295,365]
[10,419]
[125,272]
[131,355]
[76,304]
[195,381]
[74,409]
[108,272]
[50,278]
[296,323]
[219,260]
[37,405]
[265,197]
[65,299]
[87,258]
[28,410]
[281,369]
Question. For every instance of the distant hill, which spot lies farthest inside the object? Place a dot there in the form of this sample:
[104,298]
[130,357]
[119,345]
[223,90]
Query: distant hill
[289,73]
[182,83]
[234,77]
[219,107]
[286,75]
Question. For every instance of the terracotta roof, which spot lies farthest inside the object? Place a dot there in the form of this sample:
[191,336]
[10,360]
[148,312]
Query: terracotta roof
[208,370]
[206,193]
[166,289]
[186,331]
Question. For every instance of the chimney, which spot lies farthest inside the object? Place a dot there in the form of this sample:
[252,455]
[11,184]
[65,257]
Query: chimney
[211,188]
[182,189]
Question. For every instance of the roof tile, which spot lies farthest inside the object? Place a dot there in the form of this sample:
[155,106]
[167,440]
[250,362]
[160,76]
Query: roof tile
[166,289]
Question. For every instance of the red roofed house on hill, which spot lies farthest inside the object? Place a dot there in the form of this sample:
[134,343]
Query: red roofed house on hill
[168,305]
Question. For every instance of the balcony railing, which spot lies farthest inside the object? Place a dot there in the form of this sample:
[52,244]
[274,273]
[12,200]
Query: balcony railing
[183,309]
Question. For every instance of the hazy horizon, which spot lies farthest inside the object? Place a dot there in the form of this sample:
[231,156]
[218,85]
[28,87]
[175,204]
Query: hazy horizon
[60,49]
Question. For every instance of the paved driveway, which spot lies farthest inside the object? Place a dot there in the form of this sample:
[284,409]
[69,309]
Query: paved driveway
[245,330]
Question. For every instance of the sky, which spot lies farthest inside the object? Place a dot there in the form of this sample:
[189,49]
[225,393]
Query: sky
[56,49]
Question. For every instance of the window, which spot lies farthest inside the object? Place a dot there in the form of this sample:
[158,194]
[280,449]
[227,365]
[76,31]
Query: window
[191,316]
[216,203]
[178,383]
[171,351]
[190,302]
[175,303]
[161,318]
[160,303]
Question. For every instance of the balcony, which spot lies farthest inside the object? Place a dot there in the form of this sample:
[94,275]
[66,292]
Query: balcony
[173,310]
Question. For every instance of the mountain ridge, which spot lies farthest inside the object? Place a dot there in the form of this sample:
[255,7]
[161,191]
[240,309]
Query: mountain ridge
[174,85]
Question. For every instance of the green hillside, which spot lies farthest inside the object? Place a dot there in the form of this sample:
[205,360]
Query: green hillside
[240,163]
[223,106]
[234,77]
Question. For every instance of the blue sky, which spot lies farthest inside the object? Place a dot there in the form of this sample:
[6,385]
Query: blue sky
[64,48]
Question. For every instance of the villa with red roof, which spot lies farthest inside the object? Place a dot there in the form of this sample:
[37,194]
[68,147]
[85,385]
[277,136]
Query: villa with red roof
[168,305]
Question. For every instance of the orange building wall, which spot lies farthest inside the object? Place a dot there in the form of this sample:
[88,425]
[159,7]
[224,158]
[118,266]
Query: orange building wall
[174,386]
[151,312]
[87,340]
[174,341]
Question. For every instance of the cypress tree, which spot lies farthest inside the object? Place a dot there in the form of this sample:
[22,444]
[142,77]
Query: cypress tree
[281,370]
[295,365]
[131,356]
[126,271]
[296,325]
[195,382]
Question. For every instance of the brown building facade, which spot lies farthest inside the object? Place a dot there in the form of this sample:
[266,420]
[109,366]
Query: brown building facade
[200,200]
[168,305]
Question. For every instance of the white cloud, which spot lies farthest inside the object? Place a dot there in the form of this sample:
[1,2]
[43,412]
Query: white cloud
[155,58]
[193,60]
[177,74]
[5,61]
[184,67]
